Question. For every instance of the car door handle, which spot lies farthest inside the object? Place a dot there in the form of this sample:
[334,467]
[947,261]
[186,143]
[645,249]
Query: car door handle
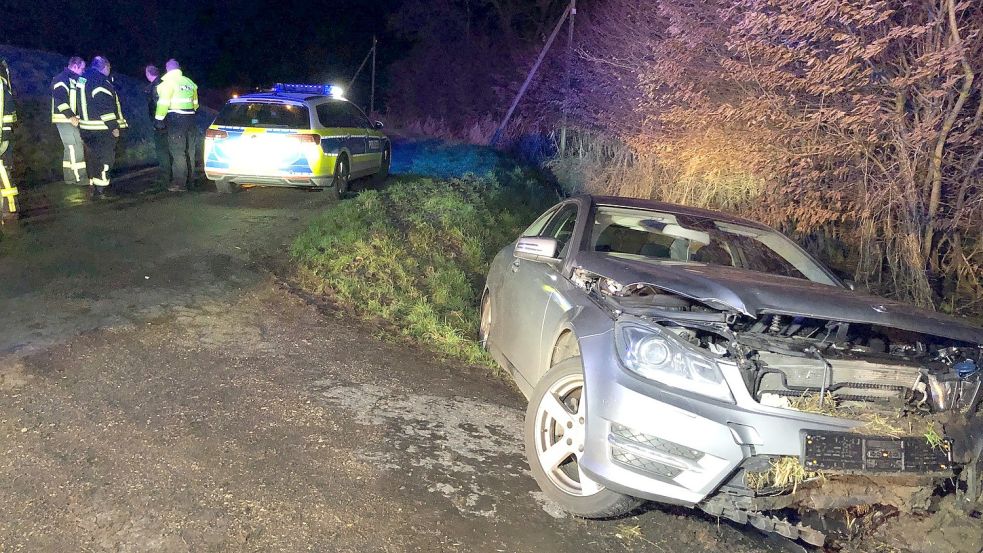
[515,265]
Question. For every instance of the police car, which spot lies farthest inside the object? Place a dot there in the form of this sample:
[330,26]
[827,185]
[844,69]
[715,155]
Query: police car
[296,135]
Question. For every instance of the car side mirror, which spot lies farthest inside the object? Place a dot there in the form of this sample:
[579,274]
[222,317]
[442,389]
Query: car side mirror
[377,125]
[535,248]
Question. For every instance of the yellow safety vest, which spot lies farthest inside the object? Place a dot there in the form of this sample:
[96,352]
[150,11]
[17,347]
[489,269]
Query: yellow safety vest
[176,94]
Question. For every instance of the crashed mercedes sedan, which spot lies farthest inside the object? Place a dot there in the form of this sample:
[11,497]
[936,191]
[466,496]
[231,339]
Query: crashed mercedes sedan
[696,358]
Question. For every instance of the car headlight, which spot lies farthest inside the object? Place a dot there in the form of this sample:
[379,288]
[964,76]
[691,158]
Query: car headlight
[657,354]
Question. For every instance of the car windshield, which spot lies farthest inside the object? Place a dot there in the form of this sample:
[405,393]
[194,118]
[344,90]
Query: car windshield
[264,115]
[675,238]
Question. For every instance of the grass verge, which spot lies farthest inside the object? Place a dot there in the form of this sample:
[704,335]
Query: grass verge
[415,254]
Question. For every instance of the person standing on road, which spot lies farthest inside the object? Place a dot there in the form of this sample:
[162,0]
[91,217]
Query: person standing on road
[64,114]
[177,103]
[99,123]
[160,135]
[8,192]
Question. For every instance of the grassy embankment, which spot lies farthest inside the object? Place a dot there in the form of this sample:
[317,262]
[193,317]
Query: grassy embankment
[414,255]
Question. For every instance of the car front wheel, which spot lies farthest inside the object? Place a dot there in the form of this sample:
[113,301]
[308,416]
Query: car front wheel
[555,434]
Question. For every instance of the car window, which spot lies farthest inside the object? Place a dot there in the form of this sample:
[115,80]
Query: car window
[561,227]
[651,235]
[264,115]
[537,226]
[335,114]
[358,118]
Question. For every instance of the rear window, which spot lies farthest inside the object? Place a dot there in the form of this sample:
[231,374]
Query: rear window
[264,115]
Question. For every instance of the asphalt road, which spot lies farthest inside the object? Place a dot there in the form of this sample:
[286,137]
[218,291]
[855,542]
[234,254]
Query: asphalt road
[161,390]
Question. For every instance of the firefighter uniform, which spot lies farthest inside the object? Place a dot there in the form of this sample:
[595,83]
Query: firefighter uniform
[177,103]
[160,135]
[8,192]
[64,106]
[99,118]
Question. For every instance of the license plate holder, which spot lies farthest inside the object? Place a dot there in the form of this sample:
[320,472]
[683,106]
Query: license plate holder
[845,451]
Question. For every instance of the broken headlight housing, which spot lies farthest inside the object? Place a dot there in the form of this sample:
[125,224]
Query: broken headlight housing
[657,354]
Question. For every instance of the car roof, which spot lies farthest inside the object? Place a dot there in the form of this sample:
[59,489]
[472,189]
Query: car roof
[675,209]
[302,97]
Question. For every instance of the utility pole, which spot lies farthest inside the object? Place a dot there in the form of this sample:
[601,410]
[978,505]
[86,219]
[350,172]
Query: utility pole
[566,92]
[532,73]
[370,54]
[372,94]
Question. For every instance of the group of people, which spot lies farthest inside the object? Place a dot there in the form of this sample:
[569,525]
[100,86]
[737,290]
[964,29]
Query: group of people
[86,110]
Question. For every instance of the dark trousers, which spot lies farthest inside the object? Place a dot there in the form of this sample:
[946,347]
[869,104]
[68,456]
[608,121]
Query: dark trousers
[182,138]
[73,155]
[8,192]
[100,154]
[163,155]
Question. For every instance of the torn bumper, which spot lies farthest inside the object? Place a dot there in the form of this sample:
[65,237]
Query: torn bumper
[651,441]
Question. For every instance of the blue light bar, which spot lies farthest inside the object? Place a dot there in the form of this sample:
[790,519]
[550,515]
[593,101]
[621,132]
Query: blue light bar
[323,89]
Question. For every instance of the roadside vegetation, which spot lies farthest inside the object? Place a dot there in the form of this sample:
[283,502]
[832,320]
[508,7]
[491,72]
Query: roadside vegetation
[853,125]
[414,255]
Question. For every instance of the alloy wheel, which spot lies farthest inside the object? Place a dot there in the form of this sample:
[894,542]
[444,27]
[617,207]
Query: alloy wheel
[560,434]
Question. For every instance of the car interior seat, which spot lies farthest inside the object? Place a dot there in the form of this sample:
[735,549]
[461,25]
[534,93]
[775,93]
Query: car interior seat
[713,254]
[654,249]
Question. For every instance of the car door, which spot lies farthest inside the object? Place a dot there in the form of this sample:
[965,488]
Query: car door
[526,290]
[363,161]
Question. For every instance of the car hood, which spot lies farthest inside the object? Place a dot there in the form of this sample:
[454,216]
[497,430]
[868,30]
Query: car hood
[754,293]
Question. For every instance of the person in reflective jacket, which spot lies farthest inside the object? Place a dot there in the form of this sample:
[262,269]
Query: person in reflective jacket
[64,114]
[8,192]
[177,102]
[160,135]
[99,123]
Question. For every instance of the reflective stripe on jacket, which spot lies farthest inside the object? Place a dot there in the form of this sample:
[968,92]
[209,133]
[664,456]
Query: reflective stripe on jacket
[7,114]
[176,94]
[97,102]
[64,96]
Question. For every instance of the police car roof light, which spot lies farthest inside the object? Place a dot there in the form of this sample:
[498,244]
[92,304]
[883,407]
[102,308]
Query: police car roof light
[325,89]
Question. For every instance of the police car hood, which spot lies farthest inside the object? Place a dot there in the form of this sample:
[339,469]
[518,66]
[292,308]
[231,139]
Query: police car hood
[753,293]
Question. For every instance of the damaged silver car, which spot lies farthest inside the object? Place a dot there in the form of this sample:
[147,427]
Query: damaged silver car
[695,358]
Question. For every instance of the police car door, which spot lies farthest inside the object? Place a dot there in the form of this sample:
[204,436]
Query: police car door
[362,162]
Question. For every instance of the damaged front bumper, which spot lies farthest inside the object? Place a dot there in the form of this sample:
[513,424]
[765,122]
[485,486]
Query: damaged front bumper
[669,445]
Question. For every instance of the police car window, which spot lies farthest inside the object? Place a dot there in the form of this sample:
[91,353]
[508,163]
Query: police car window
[359,118]
[334,114]
[264,115]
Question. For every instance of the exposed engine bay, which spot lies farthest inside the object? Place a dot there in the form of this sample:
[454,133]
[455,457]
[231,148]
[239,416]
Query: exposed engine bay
[924,393]
[786,357]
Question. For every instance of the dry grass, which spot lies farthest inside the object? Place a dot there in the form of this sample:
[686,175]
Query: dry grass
[872,423]
[783,473]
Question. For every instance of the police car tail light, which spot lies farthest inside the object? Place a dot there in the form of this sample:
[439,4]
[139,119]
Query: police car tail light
[305,138]
[214,134]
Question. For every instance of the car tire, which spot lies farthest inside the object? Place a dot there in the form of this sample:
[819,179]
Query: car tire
[342,176]
[225,186]
[556,470]
[484,320]
[380,178]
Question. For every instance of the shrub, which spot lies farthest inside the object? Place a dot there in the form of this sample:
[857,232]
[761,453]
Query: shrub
[415,254]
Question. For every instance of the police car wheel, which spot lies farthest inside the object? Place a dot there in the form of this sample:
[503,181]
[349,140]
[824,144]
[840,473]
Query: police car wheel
[383,173]
[342,175]
[224,186]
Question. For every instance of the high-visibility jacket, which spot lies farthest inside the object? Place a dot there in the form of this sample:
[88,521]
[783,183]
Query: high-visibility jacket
[176,94]
[7,114]
[119,108]
[98,103]
[64,96]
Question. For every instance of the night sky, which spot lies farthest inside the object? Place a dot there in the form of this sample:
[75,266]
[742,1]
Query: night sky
[221,44]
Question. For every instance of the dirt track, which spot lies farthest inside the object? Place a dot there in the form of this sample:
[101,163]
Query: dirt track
[159,391]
